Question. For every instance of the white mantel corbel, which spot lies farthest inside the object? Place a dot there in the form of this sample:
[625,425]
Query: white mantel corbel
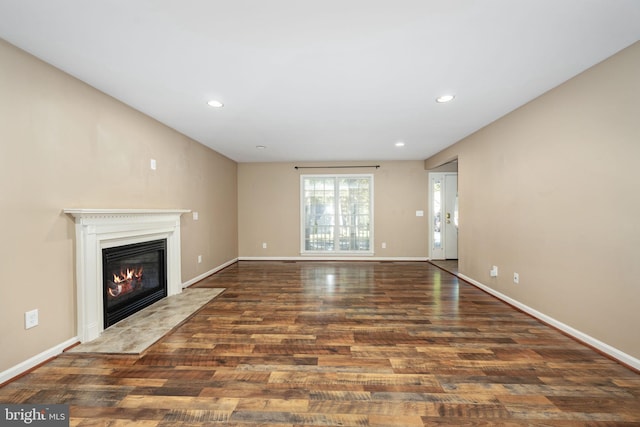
[97,229]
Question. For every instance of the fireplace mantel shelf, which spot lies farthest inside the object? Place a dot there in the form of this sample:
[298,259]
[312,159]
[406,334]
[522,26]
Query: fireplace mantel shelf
[98,229]
[90,212]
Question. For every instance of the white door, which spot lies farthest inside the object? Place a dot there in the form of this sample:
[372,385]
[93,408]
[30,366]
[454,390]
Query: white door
[451,216]
[443,194]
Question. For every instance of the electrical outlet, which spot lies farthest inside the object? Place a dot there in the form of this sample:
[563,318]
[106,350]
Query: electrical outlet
[153,164]
[494,271]
[31,319]
[264,245]
[516,278]
[199,259]
[384,245]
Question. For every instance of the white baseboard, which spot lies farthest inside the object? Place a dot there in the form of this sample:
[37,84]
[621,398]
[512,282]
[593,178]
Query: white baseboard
[23,367]
[580,336]
[330,258]
[208,273]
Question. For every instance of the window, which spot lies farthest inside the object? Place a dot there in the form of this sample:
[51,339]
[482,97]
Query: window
[337,214]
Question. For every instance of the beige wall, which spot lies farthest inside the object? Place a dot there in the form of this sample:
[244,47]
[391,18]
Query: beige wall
[552,191]
[269,207]
[65,145]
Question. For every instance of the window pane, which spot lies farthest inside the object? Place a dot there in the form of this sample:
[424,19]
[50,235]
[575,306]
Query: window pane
[319,214]
[354,214]
[437,214]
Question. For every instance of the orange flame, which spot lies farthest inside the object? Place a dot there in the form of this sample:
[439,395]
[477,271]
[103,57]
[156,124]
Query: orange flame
[130,275]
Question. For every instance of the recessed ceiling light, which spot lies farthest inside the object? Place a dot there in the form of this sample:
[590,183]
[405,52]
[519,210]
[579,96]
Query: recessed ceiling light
[444,98]
[399,144]
[215,103]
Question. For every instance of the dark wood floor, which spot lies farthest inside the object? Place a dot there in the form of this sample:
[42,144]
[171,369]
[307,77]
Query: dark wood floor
[344,344]
[450,265]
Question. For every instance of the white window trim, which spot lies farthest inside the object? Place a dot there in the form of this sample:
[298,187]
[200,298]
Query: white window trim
[338,253]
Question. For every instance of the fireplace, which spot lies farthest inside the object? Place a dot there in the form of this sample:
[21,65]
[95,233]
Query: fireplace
[103,229]
[134,278]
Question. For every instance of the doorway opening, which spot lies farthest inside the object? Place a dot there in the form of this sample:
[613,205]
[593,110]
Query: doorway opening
[443,214]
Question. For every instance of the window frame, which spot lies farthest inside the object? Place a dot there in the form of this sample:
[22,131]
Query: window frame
[337,252]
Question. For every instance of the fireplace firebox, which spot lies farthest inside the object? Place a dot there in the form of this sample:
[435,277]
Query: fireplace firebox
[134,277]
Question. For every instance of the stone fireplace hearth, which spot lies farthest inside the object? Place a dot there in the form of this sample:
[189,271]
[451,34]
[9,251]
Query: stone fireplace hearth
[98,229]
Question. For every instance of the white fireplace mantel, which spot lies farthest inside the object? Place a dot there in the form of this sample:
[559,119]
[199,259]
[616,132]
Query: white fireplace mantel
[97,229]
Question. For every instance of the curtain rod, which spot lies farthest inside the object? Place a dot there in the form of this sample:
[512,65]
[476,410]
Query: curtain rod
[335,167]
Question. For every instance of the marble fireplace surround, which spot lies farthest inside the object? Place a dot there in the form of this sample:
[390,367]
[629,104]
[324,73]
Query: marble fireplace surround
[97,229]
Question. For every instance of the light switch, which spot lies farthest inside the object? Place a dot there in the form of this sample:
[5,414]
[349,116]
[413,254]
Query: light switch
[195,216]
[152,164]
[419,213]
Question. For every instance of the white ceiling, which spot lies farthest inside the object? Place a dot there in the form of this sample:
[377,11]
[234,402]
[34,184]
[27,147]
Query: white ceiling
[325,79]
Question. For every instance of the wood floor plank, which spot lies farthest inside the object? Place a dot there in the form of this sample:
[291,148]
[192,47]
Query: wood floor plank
[343,344]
